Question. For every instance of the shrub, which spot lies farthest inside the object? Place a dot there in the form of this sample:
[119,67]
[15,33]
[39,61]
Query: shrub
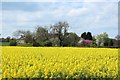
[87,43]
[13,43]
[93,44]
[47,43]
[36,44]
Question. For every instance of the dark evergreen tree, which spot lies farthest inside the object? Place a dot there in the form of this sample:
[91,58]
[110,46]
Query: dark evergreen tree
[89,36]
[83,35]
[110,42]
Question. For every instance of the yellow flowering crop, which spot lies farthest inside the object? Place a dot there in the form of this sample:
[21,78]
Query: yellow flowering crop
[59,62]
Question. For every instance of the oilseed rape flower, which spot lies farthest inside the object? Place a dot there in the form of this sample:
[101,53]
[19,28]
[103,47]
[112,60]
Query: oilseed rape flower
[58,62]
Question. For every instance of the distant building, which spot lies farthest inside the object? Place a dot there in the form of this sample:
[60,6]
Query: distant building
[20,41]
[80,41]
[116,43]
[83,42]
[55,40]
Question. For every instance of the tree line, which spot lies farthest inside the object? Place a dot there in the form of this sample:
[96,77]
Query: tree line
[58,35]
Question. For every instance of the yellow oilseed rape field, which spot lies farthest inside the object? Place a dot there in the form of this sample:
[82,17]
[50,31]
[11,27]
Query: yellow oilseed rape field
[58,62]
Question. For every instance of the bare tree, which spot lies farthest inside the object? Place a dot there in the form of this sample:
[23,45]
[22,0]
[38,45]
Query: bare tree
[41,34]
[25,35]
[19,33]
[60,29]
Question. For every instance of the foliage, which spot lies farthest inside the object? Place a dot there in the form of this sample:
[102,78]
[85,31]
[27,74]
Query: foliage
[13,42]
[89,36]
[86,36]
[87,43]
[83,35]
[25,45]
[101,39]
[28,37]
[8,43]
[8,39]
[93,44]
[71,39]
[35,44]
[59,63]
[110,42]
[25,35]
[41,34]
[106,41]
[5,39]
[5,43]
[58,35]
[60,29]
[47,43]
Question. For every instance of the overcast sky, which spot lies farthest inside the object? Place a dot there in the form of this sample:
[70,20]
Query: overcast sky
[95,16]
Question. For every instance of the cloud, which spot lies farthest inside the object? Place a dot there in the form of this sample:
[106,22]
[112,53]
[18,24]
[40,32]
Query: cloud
[87,16]
[77,12]
[60,1]
[100,0]
[21,16]
[100,17]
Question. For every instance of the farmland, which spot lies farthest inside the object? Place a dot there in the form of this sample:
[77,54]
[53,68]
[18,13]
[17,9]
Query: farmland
[59,62]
